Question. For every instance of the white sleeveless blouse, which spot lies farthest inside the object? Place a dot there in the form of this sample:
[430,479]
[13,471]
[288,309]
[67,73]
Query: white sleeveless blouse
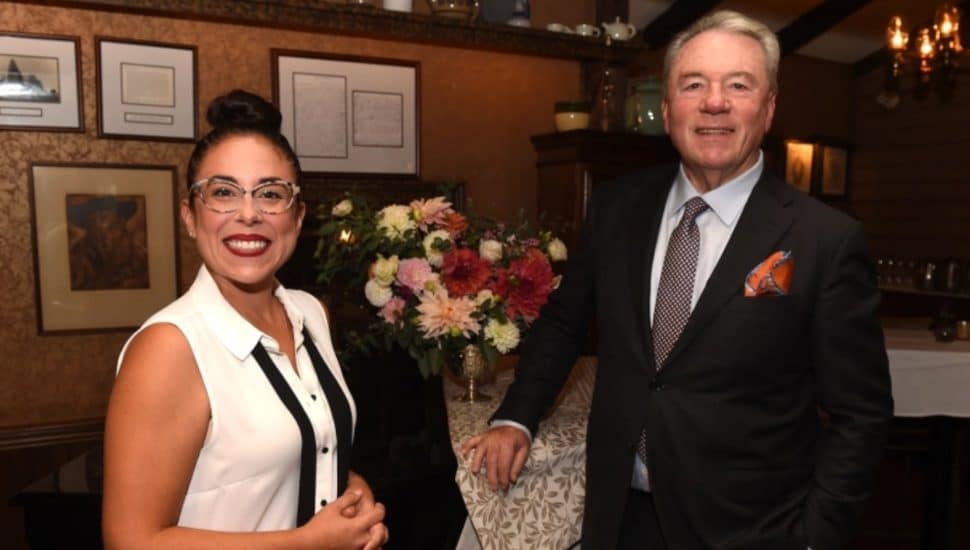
[247,474]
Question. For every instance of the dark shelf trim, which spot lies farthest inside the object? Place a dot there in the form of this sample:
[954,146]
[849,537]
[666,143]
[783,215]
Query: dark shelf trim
[920,292]
[317,16]
[80,431]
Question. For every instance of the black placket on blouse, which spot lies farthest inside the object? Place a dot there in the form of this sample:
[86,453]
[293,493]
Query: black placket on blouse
[342,420]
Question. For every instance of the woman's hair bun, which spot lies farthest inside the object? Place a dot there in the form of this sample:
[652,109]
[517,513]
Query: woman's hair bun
[244,110]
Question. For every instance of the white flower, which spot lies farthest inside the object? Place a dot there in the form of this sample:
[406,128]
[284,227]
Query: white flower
[384,270]
[377,294]
[395,220]
[433,285]
[483,296]
[490,250]
[557,250]
[342,208]
[434,256]
[504,336]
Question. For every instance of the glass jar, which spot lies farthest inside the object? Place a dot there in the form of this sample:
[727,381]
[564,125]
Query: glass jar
[643,107]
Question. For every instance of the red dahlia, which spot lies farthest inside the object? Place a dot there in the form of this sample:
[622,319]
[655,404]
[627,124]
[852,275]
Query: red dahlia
[525,285]
[464,272]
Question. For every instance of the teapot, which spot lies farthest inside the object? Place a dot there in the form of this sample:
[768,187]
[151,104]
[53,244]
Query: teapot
[619,30]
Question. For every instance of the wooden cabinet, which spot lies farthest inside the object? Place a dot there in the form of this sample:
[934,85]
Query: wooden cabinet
[570,164]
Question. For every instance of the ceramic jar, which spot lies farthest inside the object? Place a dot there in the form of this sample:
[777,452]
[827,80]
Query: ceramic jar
[571,115]
[399,5]
[463,10]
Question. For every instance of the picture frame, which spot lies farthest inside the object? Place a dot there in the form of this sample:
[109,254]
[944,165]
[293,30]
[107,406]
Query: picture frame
[40,79]
[349,115]
[105,243]
[799,164]
[833,180]
[146,90]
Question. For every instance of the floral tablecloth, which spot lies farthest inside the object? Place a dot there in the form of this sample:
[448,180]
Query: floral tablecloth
[544,509]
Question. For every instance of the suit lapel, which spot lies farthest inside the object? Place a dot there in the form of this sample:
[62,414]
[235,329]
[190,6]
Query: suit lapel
[763,222]
[648,206]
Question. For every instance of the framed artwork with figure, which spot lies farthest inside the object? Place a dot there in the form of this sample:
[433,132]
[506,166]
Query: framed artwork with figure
[105,244]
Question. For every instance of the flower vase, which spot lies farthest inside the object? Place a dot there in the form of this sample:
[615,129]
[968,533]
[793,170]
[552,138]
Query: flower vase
[470,366]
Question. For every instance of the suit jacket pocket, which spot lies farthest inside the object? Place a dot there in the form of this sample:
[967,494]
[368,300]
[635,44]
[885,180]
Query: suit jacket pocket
[759,333]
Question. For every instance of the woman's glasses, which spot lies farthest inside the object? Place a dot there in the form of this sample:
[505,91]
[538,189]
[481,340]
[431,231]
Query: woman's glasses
[226,196]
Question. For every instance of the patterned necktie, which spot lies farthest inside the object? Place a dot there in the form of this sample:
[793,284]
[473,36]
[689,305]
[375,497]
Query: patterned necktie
[675,289]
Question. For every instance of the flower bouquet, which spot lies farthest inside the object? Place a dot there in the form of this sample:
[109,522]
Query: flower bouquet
[440,281]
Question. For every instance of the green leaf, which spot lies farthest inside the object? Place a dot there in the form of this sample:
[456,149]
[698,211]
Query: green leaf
[491,354]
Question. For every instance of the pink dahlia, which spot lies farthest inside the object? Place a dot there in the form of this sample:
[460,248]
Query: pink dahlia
[464,272]
[393,311]
[413,273]
[440,315]
[428,212]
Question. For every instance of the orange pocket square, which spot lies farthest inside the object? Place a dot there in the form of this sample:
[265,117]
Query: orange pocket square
[771,277]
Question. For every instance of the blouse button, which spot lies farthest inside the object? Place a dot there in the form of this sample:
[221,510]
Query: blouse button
[323,502]
[325,450]
[313,396]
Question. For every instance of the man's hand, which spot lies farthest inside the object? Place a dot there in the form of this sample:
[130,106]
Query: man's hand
[502,451]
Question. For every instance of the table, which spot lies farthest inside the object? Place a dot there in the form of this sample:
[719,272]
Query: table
[544,509]
[931,379]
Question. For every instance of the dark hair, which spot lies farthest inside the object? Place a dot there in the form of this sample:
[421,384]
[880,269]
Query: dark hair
[241,113]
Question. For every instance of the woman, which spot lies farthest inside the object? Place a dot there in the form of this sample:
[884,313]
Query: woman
[230,424]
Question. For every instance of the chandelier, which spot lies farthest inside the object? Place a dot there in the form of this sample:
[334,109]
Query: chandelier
[934,53]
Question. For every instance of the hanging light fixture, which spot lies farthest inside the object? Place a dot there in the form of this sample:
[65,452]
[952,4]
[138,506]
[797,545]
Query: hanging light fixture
[935,51]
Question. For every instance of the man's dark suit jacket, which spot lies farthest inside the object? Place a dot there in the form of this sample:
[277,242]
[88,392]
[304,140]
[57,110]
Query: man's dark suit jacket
[738,458]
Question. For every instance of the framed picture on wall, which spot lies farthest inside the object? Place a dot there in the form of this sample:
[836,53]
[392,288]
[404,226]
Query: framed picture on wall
[799,161]
[146,90]
[835,162]
[105,244]
[349,115]
[39,83]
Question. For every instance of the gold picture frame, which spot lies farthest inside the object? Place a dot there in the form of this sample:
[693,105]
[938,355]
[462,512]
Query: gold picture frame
[799,163]
[105,242]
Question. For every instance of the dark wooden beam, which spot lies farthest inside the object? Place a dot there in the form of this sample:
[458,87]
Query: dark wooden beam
[608,10]
[676,18]
[880,57]
[815,22]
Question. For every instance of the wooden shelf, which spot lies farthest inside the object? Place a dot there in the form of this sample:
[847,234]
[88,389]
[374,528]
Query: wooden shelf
[319,16]
[921,292]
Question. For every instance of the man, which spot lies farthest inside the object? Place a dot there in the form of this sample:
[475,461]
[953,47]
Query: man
[720,335]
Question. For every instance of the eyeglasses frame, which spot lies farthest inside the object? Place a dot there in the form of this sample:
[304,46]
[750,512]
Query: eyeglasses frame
[199,183]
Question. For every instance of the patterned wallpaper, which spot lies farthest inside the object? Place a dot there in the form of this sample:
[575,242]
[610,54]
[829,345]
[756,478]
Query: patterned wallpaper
[475,128]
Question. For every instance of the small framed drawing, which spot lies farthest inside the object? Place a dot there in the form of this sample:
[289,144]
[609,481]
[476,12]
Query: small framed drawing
[835,161]
[799,160]
[349,115]
[146,90]
[39,83]
[105,244]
